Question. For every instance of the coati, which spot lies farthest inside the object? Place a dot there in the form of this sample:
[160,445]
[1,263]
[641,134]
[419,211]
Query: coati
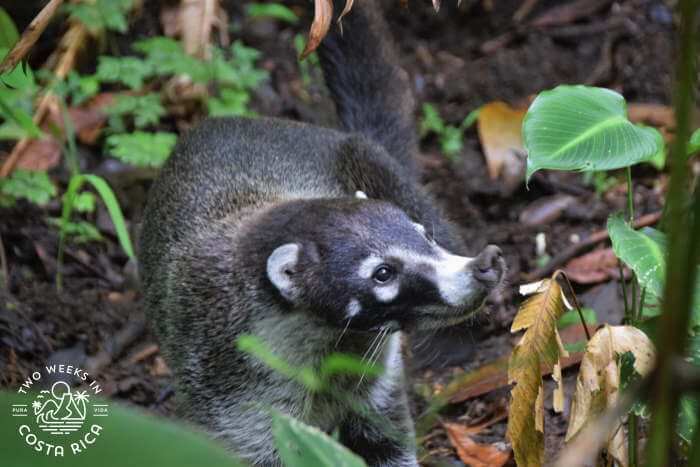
[314,240]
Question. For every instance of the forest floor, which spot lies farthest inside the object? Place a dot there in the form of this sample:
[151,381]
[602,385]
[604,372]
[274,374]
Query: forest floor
[458,59]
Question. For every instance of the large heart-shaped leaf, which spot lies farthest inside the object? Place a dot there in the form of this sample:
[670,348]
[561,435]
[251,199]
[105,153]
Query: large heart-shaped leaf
[584,128]
[645,252]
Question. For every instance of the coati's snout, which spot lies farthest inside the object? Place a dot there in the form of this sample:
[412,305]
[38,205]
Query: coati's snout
[364,264]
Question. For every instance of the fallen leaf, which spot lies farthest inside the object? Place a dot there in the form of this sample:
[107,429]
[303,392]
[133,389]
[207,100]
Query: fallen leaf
[597,385]
[594,267]
[539,346]
[323,13]
[40,154]
[499,127]
[471,452]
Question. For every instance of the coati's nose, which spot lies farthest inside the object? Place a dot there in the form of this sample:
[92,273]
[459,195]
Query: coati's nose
[488,266]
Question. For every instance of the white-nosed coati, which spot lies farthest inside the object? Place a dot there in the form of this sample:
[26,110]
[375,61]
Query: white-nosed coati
[254,227]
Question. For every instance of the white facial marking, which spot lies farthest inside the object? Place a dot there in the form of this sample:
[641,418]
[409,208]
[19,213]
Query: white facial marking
[452,276]
[353,308]
[283,259]
[360,195]
[368,265]
[386,293]
[419,228]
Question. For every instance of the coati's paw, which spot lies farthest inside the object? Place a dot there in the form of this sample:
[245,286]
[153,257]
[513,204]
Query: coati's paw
[364,264]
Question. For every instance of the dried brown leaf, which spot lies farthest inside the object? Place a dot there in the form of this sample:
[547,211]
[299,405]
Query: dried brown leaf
[471,452]
[596,387]
[594,267]
[323,14]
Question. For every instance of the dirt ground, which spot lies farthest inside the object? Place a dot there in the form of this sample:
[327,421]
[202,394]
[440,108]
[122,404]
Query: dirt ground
[458,59]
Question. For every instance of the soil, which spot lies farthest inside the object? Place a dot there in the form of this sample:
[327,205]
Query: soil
[458,59]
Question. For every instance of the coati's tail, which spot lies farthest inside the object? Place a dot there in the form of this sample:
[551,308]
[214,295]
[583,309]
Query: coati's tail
[371,91]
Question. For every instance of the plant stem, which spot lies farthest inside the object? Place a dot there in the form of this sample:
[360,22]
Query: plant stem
[683,241]
[632,439]
[630,196]
[624,287]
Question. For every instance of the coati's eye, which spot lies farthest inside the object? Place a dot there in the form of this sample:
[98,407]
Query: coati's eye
[383,274]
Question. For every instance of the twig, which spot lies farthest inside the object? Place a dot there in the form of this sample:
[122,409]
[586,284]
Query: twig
[576,304]
[577,248]
[30,36]
[68,48]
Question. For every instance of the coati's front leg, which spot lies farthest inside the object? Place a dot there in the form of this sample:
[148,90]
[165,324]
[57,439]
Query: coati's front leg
[383,436]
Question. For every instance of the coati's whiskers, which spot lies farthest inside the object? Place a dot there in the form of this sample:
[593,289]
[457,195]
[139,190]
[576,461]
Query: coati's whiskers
[345,329]
[374,351]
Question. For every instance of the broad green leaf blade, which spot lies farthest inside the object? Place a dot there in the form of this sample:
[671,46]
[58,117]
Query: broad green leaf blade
[641,253]
[300,445]
[584,128]
[128,438]
[8,31]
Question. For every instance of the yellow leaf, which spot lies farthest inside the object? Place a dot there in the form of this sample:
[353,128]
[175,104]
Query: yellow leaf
[539,346]
[499,126]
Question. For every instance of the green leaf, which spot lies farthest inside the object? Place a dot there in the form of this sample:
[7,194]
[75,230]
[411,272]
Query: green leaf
[20,77]
[146,109]
[232,102]
[470,119]
[642,254]
[271,10]
[8,31]
[257,348]
[343,364]
[34,186]
[571,317]
[142,149]
[79,232]
[167,57]
[21,118]
[130,71]
[645,252]
[694,143]
[584,128]
[431,121]
[110,200]
[101,15]
[128,437]
[300,445]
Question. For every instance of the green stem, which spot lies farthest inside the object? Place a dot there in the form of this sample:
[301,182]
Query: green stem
[632,439]
[630,195]
[624,288]
[683,241]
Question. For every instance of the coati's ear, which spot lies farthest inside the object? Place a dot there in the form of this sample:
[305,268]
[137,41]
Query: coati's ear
[281,267]
[285,262]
